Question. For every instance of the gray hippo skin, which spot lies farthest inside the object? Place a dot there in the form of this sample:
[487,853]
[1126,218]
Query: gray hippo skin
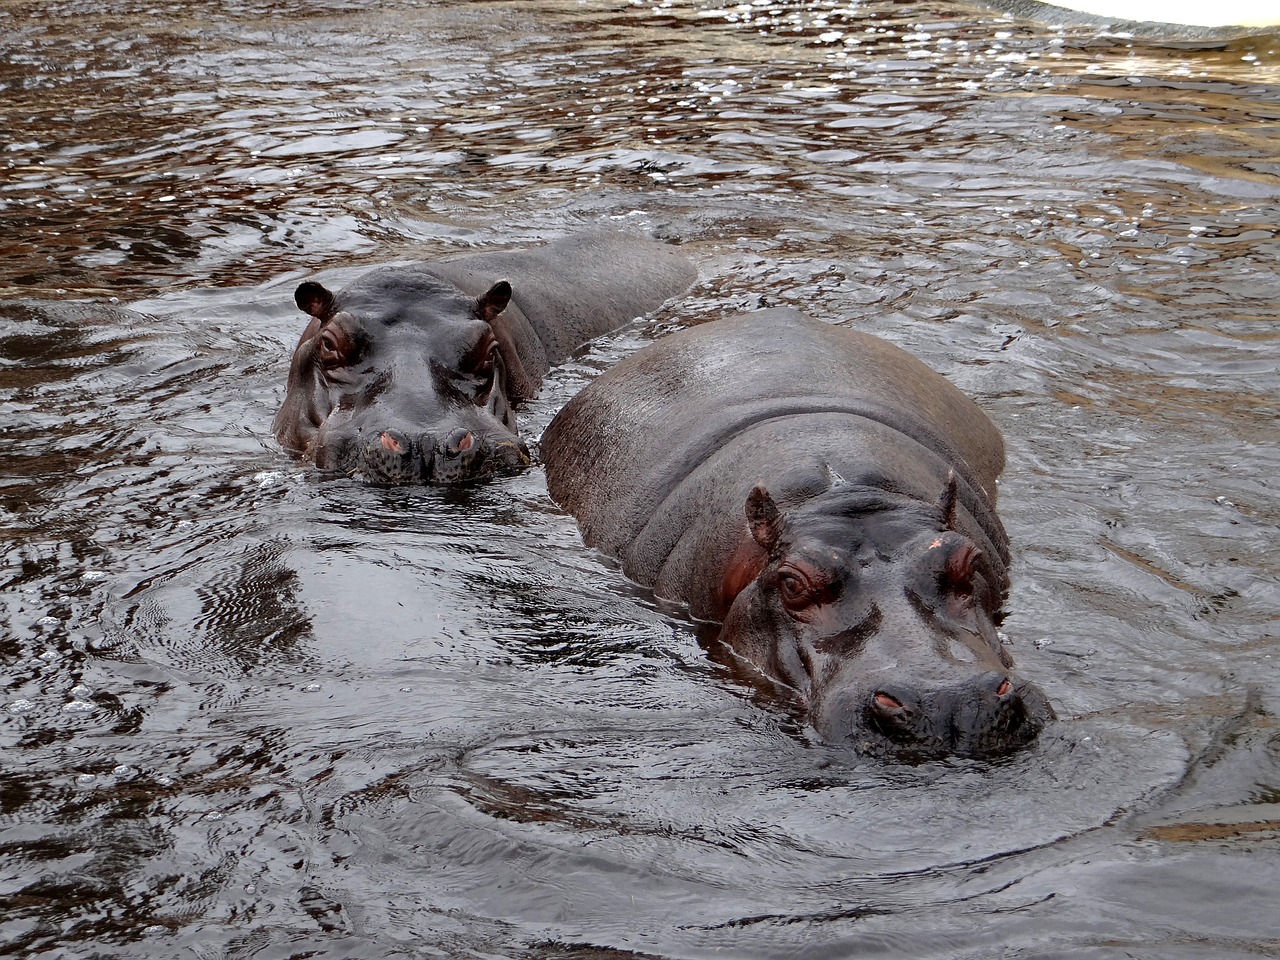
[412,374]
[831,501]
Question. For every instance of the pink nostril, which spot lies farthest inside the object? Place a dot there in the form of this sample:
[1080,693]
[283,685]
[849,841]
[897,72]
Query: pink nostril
[390,443]
[886,702]
[460,441]
[1004,687]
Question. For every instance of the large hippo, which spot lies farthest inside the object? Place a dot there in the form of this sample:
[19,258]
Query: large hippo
[831,501]
[412,374]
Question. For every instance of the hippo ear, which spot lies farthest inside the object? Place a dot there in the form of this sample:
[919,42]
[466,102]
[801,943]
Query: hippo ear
[313,299]
[947,502]
[764,518]
[491,304]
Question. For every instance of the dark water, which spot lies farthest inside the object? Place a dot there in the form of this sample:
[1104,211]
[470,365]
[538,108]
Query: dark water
[250,712]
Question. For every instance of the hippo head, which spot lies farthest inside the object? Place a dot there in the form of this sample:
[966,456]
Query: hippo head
[401,378]
[876,617]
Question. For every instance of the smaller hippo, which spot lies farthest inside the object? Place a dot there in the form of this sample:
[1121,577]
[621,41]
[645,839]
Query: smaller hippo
[413,374]
[827,498]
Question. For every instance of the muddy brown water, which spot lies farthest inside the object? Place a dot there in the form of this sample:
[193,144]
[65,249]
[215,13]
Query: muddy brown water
[252,712]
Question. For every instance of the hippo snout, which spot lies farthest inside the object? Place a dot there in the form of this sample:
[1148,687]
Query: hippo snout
[987,715]
[393,457]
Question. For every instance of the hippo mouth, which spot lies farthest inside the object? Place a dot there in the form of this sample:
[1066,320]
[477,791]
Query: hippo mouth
[391,458]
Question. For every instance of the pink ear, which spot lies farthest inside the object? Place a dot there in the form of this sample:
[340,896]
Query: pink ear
[490,304]
[764,517]
[313,299]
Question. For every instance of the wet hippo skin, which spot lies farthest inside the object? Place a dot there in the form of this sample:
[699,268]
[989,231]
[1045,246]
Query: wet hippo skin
[830,500]
[413,374]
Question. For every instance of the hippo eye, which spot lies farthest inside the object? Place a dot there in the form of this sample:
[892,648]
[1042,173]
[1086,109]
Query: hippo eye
[794,589]
[333,348]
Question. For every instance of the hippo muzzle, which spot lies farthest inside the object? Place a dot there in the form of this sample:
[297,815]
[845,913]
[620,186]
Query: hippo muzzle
[985,715]
[386,449]
[392,457]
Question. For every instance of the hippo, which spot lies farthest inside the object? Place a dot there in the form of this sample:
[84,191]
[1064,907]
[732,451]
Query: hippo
[828,500]
[413,373]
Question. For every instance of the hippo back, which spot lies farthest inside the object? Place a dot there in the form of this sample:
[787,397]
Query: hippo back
[657,456]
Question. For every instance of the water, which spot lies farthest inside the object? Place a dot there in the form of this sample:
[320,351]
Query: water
[252,712]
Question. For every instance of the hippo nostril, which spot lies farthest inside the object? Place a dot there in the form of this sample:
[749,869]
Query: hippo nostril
[887,703]
[897,708]
[460,441]
[1004,688]
[895,716]
[391,442]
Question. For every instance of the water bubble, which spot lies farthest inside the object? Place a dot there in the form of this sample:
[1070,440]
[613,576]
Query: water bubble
[49,656]
[78,706]
[164,780]
[86,779]
[311,688]
[48,622]
[20,706]
[92,575]
[81,692]
[122,770]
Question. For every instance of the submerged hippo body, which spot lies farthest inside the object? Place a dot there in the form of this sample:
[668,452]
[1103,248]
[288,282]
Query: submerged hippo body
[412,374]
[831,501]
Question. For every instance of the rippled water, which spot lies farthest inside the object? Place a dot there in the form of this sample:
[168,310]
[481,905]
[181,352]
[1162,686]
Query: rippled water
[251,712]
